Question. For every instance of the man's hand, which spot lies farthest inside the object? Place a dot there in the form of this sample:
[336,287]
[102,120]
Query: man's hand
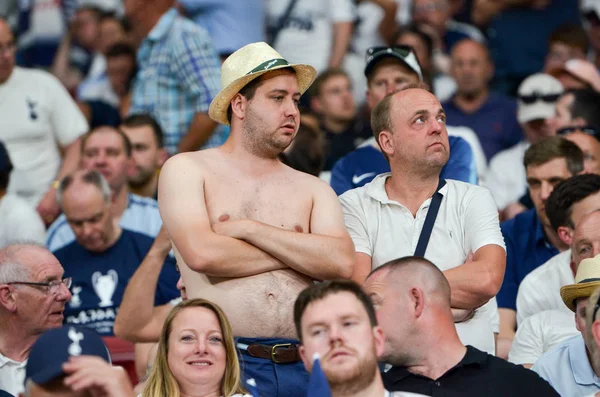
[162,242]
[48,207]
[96,376]
[462,315]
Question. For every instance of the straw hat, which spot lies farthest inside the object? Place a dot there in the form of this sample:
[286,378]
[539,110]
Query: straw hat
[587,280]
[246,64]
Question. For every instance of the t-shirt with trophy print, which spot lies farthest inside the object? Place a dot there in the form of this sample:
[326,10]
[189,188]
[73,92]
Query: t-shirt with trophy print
[100,278]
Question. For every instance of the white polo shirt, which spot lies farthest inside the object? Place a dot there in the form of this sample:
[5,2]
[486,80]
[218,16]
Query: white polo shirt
[467,220]
[540,333]
[12,375]
[540,289]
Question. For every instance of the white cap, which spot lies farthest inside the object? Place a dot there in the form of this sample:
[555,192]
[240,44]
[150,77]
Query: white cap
[537,86]
[589,6]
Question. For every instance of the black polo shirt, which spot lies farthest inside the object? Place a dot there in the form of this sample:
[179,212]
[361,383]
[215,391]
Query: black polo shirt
[477,374]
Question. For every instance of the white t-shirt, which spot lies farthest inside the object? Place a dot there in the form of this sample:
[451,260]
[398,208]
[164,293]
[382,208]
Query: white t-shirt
[506,176]
[539,333]
[19,222]
[37,116]
[467,220]
[540,289]
[307,36]
[12,375]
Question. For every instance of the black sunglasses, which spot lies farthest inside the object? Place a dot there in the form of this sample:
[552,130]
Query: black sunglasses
[587,129]
[402,50]
[532,98]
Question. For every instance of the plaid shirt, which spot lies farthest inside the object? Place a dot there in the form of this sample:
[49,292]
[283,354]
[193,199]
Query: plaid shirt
[179,75]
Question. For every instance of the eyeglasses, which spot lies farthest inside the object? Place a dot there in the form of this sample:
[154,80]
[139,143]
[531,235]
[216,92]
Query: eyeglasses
[402,50]
[532,98]
[588,130]
[52,286]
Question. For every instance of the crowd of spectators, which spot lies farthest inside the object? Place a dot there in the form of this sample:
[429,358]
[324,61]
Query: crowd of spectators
[299,197]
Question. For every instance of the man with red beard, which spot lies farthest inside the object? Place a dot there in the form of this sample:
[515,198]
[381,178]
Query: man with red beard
[336,322]
[33,295]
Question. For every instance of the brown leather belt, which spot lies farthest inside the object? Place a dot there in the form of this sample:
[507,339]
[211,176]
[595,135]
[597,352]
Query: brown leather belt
[285,353]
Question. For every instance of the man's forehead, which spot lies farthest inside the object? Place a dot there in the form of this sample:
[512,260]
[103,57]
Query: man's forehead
[414,99]
[6,34]
[589,223]
[333,307]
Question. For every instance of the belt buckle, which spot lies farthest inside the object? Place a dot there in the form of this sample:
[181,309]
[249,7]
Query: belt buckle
[274,349]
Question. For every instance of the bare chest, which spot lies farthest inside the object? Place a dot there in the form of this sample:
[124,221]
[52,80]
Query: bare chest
[277,201]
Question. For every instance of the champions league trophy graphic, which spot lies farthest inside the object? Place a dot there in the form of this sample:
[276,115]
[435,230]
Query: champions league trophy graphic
[105,286]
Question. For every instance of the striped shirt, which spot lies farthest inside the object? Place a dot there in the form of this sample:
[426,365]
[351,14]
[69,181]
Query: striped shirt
[179,75]
[141,215]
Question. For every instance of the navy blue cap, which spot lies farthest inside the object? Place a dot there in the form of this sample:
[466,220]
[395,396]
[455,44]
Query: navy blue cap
[54,348]
[5,163]
[5,394]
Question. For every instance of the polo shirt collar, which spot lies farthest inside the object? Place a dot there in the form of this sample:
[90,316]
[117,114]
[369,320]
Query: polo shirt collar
[376,190]
[163,26]
[473,356]
[580,364]
[5,360]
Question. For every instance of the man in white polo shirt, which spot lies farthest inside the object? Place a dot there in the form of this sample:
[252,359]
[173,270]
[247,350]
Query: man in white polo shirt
[395,215]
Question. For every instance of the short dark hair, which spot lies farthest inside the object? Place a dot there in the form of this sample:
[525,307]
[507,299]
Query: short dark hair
[571,35]
[559,205]
[317,85]
[126,141]
[120,49]
[320,291]
[307,152]
[417,31]
[145,120]
[586,105]
[555,148]
[434,272]
[247,92]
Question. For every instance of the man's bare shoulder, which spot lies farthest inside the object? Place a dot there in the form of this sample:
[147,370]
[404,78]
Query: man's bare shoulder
[197,161]
[309,181]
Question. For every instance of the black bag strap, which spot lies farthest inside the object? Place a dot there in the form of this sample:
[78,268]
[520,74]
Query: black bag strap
[274,31]
[434,208]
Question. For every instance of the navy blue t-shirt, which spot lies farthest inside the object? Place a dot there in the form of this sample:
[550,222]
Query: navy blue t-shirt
[526,248]
[99,280]
[495,123]
[359,167]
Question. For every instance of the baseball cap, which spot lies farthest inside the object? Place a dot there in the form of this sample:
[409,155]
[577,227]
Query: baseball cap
[54,348]
[404,54]
[537,96]
[5,163]
[581,70]
[589,7]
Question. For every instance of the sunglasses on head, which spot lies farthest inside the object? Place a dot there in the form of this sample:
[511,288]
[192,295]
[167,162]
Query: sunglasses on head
[587,129]
[402,50]
[532,98]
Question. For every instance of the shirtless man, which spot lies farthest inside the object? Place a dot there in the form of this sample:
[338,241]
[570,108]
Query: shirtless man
[251,231]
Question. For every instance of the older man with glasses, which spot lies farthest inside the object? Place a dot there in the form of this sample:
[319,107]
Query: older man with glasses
[33,295]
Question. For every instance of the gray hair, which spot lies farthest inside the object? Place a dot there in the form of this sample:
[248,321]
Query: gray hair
[10,268]
[91,177]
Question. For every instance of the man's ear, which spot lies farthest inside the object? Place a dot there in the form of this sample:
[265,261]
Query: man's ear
[163,156]
[306,360]
[379,337]
[565,234]
[238,106]
[385,140]
[8,300]
[418,301]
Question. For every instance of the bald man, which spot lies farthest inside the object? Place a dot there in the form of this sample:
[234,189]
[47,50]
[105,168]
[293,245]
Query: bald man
[492,116]
[412,299]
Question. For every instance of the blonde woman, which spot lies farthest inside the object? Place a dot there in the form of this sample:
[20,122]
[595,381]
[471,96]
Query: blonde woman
[196,354]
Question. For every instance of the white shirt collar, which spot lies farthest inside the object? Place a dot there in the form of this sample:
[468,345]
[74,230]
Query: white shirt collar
[376,189]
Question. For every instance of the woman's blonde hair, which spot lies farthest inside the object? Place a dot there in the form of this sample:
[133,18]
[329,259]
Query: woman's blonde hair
[162,383]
